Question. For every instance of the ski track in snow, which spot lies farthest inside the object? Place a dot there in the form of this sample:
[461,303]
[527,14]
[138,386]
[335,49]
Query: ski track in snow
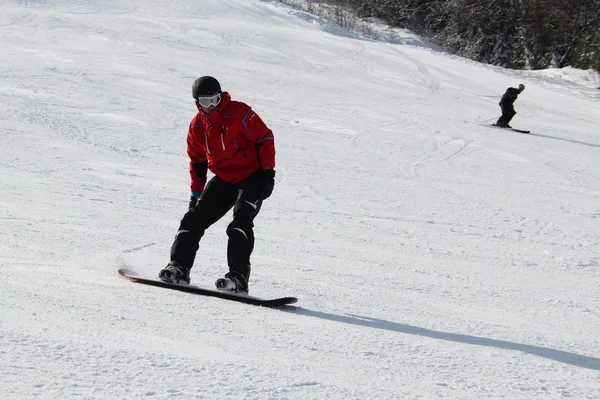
[433,257]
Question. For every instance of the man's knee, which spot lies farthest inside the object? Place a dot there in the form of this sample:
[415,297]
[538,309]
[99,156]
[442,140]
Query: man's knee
[194,223]
[243,229]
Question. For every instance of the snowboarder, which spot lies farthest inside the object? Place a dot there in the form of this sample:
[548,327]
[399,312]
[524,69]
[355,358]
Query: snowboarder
[229,139]
[507,105]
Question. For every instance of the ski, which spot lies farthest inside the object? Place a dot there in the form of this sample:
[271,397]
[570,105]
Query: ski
[520,130]
[257,301]
[512,129]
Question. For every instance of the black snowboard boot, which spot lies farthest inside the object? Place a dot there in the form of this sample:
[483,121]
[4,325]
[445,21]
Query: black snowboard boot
[235,281]
[174,273]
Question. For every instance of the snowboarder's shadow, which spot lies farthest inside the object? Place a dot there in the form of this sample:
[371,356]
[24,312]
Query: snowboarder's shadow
[566,357]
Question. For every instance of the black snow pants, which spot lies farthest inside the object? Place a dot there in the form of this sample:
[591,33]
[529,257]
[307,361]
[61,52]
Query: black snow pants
[508,112]
[215,201]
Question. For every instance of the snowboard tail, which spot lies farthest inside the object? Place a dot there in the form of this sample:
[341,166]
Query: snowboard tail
[242,298]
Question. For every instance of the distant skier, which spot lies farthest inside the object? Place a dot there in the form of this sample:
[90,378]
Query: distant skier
[232,141]
[507,105]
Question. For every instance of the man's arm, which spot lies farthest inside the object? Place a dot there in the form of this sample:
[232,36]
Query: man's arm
[198,163]
[258,132]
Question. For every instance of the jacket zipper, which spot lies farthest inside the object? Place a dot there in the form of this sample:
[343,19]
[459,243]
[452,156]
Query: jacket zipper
[206,141]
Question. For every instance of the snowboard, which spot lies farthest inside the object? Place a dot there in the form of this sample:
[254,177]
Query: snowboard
[182,287]
[511,129]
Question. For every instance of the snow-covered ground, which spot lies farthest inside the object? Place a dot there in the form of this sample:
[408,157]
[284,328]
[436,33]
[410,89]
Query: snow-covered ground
[434,257]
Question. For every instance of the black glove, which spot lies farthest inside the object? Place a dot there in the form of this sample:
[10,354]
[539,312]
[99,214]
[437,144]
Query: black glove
[268,183]
[194,200]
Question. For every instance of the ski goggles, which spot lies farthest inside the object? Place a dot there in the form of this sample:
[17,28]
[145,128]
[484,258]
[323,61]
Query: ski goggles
[207,101]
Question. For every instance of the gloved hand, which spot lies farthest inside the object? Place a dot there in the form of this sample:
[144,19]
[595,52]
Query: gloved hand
[194,200]
[268,183]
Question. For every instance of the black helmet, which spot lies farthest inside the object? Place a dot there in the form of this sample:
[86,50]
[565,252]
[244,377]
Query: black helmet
[205,86]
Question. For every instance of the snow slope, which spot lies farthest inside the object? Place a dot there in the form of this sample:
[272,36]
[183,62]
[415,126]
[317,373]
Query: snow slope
[434,257]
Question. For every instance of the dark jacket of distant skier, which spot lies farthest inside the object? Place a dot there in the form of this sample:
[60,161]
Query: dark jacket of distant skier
[507,105]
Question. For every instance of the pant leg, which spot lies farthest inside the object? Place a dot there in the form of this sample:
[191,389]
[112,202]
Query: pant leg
[218,198]
[240,230]
[500,121]
[509,114]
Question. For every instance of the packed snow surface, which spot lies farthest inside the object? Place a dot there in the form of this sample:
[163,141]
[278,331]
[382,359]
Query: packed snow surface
[433,256]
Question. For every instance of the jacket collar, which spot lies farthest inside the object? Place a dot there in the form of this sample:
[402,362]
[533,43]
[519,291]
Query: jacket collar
[215,115]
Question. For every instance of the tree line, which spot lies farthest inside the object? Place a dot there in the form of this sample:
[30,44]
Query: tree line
[517,34]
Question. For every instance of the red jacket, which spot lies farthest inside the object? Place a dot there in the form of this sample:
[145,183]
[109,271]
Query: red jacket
[232,139]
